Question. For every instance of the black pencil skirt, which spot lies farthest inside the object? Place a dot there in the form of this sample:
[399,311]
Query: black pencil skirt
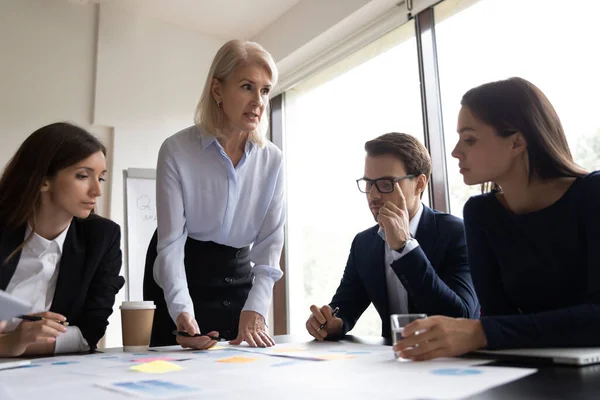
[219,279]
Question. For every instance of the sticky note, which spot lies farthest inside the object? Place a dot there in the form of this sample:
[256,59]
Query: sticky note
[336,357]
[237,359]
[218,348]
[287,350]
[150,388]
[156,367]
[150,359]
[64,362]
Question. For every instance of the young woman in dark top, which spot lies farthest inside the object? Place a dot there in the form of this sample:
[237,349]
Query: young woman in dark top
[53,253]
[533,240]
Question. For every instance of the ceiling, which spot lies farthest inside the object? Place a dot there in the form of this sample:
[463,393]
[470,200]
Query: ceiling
[225,19]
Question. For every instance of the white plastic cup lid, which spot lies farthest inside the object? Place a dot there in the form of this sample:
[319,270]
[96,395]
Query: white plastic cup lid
[137,305]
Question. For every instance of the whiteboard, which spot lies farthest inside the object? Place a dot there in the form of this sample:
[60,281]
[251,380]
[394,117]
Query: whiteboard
[140,223]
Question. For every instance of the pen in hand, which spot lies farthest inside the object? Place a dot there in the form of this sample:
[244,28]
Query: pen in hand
[34,318]
[333,314]
[184,333]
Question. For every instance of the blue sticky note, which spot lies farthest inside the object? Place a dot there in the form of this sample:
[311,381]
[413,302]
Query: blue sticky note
[456,371]
[65,362]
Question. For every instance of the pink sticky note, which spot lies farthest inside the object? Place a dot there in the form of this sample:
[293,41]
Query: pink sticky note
[150,359]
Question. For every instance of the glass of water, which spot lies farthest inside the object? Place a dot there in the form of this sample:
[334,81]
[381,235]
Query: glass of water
[399,321]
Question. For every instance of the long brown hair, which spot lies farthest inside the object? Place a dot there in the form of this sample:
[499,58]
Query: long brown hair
[44,153]
[516,105]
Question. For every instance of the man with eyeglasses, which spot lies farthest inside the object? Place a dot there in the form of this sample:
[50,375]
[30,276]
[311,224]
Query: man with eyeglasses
[413,261]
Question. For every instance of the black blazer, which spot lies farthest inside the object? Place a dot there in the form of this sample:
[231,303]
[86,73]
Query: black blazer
[435,274]
[88,277]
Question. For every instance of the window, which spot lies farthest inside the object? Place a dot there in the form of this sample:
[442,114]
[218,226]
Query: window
[552,46]
[327,121]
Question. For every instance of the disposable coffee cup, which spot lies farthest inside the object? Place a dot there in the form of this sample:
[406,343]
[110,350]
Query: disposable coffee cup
[136,324]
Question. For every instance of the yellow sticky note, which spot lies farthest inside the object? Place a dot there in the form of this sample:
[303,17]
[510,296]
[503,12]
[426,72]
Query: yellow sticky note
[336,357]
[237,359]
[217,348]
[287,350]
[156,367]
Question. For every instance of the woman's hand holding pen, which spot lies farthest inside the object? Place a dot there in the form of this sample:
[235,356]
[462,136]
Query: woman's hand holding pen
[322,322]
[43,332]
[187,323]
[253,330]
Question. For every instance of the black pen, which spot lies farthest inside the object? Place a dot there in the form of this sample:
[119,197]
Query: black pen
[36,318]
[184,333]
[333,314]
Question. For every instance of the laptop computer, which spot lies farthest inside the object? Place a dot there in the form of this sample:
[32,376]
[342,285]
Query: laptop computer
[571,356]
[7,363]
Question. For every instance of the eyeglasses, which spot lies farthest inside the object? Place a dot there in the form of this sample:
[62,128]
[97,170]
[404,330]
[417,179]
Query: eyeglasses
[383,185]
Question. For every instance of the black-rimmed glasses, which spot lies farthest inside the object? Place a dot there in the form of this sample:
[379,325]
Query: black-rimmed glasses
[383,185]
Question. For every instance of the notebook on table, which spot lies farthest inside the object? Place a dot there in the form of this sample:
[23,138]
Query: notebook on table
[572,356]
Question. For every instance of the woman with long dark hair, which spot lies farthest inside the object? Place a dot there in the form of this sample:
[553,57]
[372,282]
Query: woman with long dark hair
[533,240]
[54,252]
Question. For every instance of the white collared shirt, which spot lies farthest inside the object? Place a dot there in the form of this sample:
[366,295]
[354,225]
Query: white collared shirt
[34,281]
[397,296]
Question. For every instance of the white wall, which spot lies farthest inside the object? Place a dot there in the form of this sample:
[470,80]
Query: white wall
[46,67]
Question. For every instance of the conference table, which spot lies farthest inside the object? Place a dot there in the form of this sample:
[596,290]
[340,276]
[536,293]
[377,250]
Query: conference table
[551,381]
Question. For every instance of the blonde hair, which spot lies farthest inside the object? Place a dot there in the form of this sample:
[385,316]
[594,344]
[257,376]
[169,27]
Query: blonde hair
[231,56]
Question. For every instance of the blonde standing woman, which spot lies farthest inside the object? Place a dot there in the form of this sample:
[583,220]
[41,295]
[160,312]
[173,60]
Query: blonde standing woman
[212,264]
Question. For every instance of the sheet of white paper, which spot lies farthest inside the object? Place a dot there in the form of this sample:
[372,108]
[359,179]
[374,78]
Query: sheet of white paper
[11,306]
[333,351]
[347,370]
[151,388]
[5,393]
[6,363]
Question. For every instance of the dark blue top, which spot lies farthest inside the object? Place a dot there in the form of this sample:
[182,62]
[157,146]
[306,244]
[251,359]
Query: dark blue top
[537,275]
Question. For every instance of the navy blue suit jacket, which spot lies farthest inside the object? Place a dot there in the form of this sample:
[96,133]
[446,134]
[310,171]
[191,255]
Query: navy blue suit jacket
[435,274]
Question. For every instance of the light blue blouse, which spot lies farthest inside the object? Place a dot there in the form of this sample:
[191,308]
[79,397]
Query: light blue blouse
[201,195]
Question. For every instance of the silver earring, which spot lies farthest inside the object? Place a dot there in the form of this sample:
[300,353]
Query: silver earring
[219,103]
